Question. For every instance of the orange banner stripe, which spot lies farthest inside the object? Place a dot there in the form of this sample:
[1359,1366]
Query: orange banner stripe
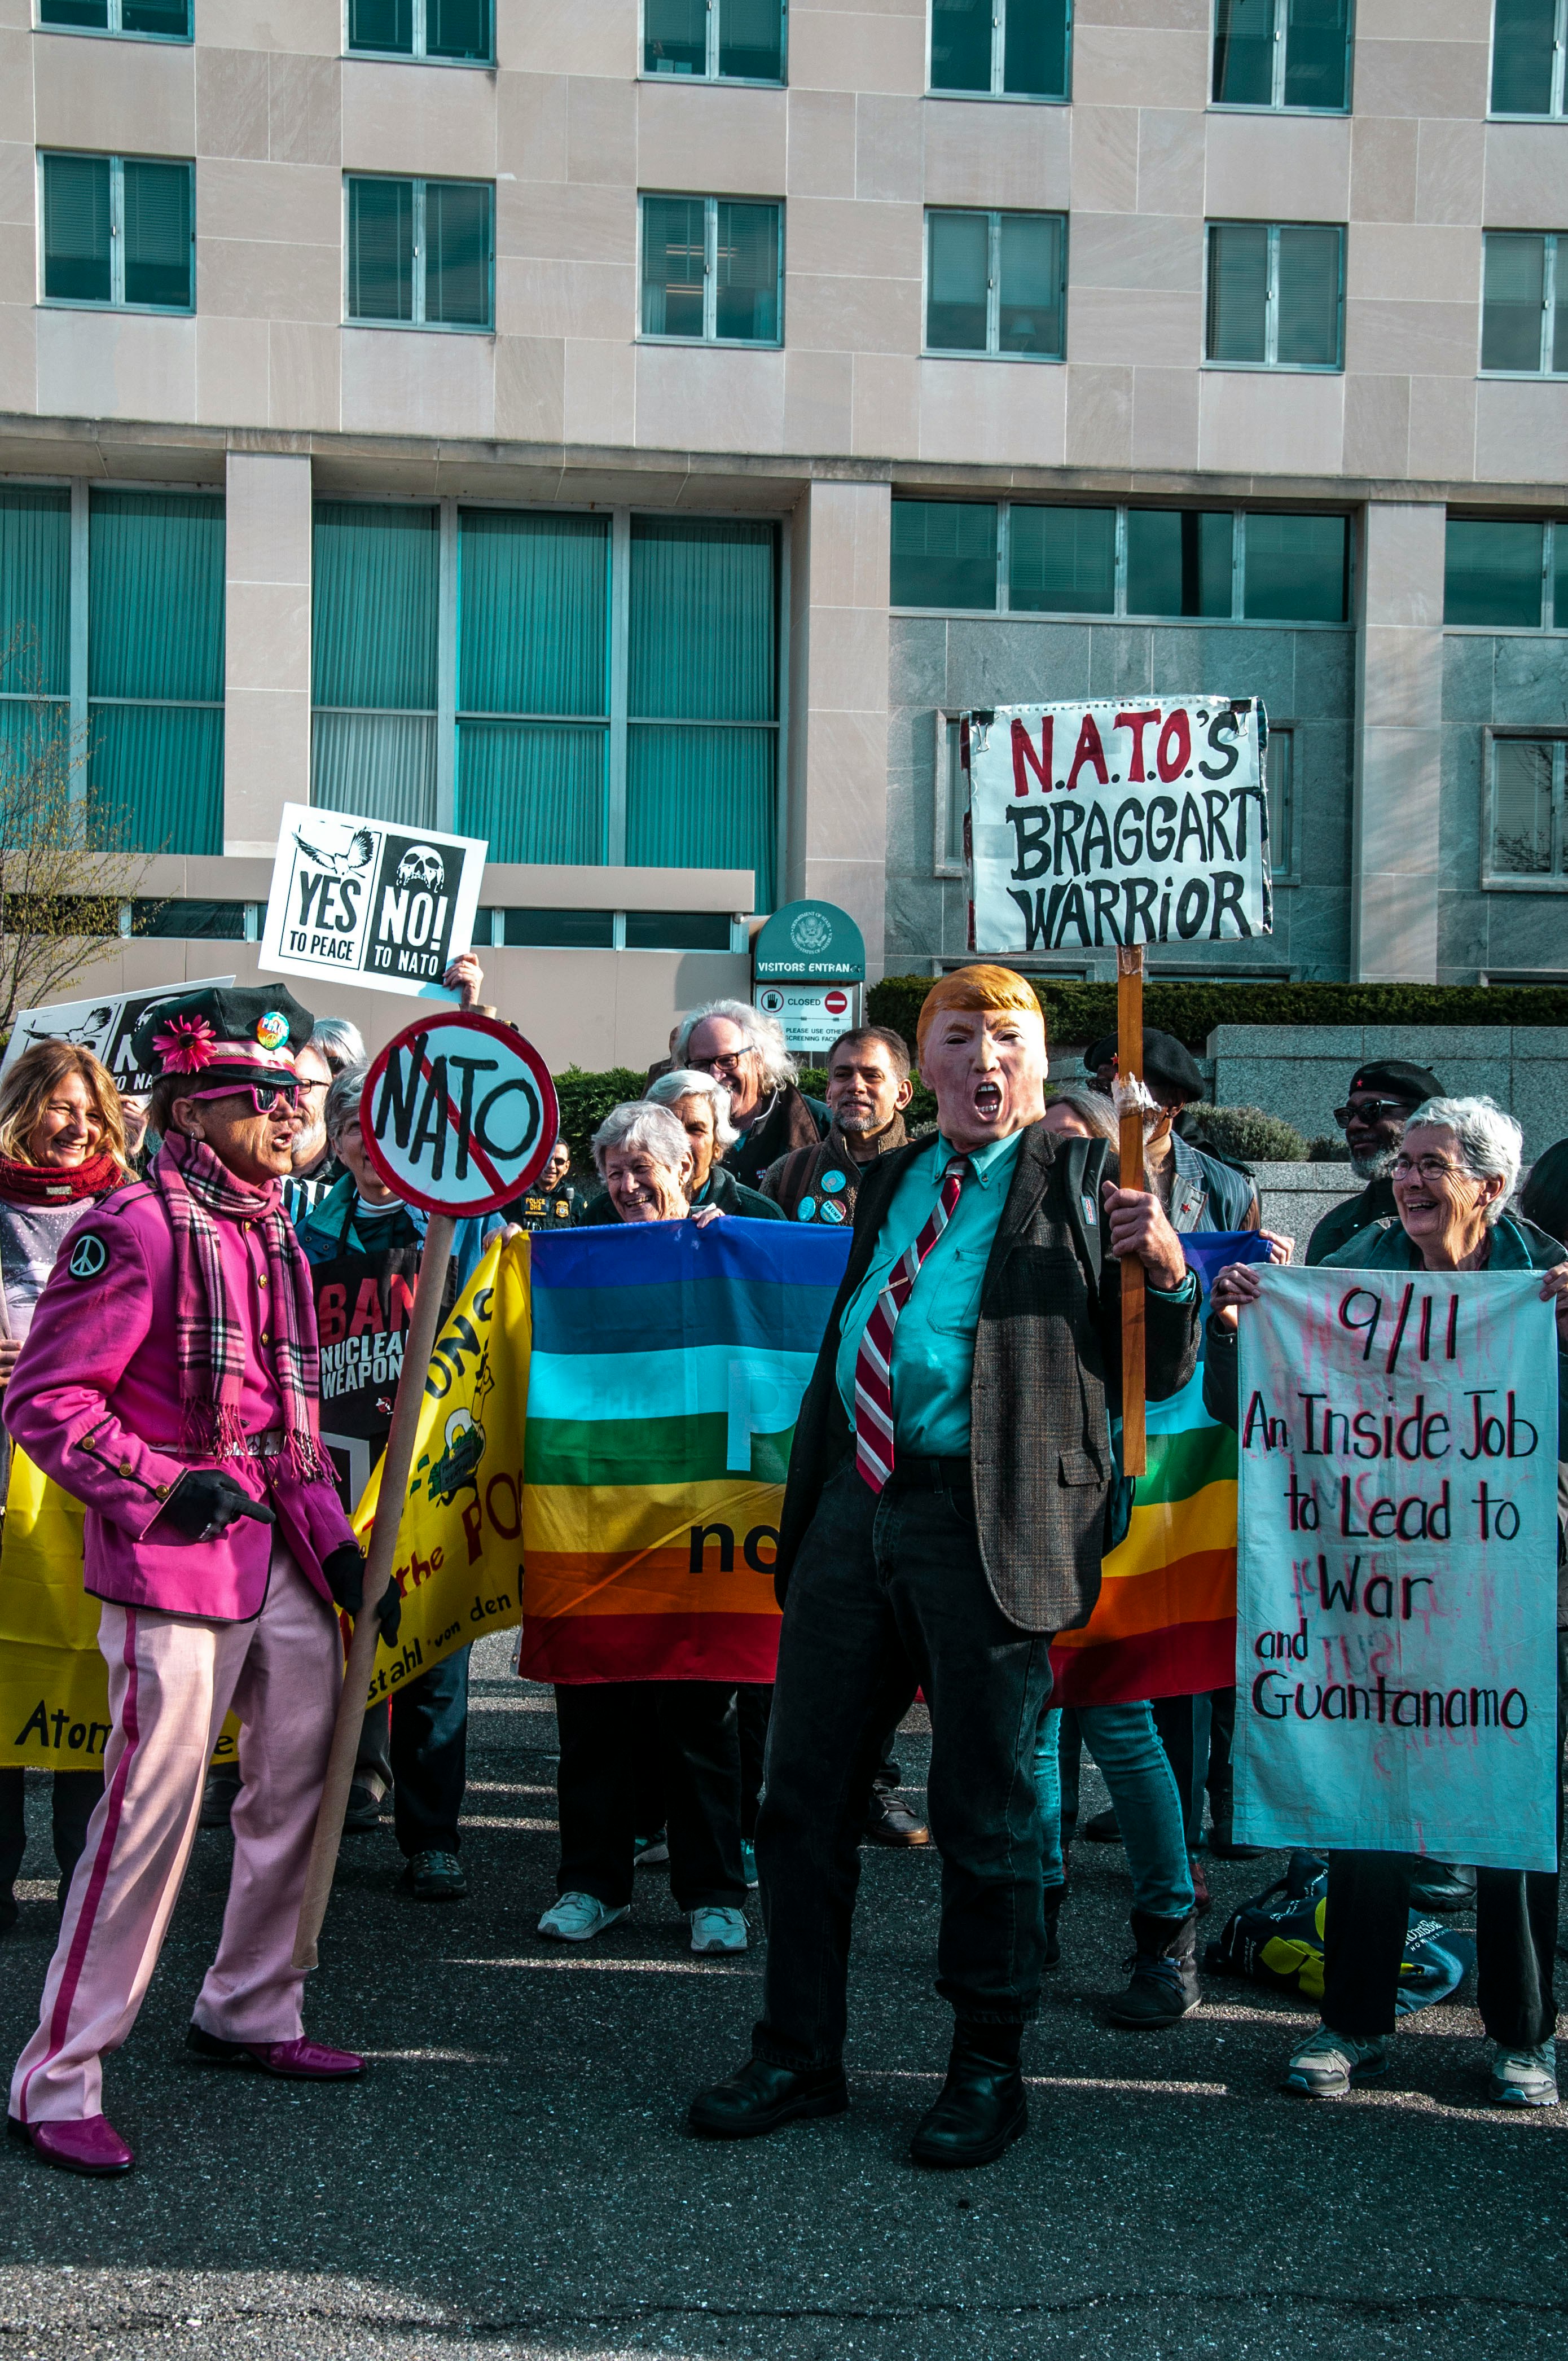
[1200,1588]
[659,1582]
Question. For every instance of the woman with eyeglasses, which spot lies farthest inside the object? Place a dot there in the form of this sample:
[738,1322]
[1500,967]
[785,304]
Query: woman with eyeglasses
[62,1150]
[170,1382]
[1452,1175]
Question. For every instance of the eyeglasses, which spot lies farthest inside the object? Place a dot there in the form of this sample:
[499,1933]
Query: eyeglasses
[728,1061]
[1430,1168]
[274,1098]
[1369,1111]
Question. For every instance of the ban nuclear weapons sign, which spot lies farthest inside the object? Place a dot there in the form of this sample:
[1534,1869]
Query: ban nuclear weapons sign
[1142,820]
[459,1115]
[364,902]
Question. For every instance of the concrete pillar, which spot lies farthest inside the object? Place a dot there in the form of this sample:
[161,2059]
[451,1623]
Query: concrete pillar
[1396,866]
[836,842]
[266,660]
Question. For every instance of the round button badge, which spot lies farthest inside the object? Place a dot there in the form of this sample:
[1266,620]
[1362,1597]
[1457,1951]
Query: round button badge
[832,1181]
[805,1210]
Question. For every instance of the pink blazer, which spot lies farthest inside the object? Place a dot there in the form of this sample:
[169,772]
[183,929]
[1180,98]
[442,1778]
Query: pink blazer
[95,1402]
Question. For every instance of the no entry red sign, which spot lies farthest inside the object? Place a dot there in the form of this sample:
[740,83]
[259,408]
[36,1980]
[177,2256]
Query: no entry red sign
[459,1115]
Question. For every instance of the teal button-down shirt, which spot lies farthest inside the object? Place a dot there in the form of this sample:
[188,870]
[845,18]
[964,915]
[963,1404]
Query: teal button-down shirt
[933,1343]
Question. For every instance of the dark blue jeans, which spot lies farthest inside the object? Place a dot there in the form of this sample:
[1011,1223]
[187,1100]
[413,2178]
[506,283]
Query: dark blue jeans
[430,1757]
[888,1591]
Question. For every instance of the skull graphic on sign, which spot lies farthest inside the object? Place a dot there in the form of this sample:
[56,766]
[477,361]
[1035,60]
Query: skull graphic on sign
[422,866]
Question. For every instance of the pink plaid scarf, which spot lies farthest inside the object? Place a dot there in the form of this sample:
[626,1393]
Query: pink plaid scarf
[209,1338]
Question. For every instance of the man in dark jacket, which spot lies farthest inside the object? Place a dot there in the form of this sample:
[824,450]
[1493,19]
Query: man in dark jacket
[945,1515]
[745,1051]
[868,1090]
[1380,1101]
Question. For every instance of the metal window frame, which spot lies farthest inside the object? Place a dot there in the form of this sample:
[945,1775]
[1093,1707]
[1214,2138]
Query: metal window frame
[1549,237]
[1271,360]
[943,862]
[115,30]
[1285,861]
[418,54]
[710,67]
[1494,881]
[1558,104]
[710,205]
[1550,621]
[935,88]
[117,298]
[419,183]
[993,215]
[1275,104]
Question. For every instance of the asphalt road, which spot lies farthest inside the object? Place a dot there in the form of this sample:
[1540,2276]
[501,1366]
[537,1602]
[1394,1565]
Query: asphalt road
[512,2178]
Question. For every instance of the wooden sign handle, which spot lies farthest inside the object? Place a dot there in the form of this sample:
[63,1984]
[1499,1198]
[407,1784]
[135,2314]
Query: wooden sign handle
[396,1461]
[1130,1068]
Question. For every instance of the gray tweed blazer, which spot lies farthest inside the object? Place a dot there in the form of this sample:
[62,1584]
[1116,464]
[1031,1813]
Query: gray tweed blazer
[1047,1354]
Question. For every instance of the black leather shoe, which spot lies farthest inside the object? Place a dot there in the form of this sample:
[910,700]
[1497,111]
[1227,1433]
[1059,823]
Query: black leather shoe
[982,2109]
[761,2097]
[890,1821]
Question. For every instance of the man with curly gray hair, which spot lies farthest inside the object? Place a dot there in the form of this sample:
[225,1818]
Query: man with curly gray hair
[745,1050]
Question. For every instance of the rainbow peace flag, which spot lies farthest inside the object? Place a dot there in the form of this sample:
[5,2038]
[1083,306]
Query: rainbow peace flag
[666,1370]
[1165,1621]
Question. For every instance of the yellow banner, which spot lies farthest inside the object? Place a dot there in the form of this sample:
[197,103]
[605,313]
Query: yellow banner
[459,1562]
[54,1685]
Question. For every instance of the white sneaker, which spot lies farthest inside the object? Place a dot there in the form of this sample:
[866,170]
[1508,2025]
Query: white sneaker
[578,1917]
[714,1928]
[1328,2064]
[1525,2078]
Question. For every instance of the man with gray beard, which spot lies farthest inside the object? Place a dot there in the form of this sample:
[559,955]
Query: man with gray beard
[868,1090]
[1380,1101]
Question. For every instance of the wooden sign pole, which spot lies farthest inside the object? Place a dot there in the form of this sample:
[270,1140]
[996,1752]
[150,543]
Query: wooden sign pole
[396,1461]
[1130,1068]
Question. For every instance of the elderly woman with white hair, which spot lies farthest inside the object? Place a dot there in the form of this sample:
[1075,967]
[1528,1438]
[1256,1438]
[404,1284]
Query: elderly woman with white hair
[1456,1168]
[646,1163]
[745,1051]
[701,1106]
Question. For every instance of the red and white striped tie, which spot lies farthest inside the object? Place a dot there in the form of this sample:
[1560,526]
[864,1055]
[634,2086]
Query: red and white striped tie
[873,1362]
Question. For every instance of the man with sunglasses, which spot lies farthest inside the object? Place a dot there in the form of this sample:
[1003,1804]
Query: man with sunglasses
[1380,1101]
[169,1383]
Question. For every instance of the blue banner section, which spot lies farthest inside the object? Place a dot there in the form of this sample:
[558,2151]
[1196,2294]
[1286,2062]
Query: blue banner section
[662,1254]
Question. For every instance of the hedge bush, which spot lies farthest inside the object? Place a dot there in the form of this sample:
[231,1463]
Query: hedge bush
[1081,1012]
[1250,1133]
[587,1098]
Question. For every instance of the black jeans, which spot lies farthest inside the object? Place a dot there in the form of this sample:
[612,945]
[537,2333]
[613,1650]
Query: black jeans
[74,1795]
[888,1591]
[601,1724]
[430,1757]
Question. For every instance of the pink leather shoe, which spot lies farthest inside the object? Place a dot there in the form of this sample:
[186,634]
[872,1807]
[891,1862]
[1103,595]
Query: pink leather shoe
[88,2144]
[300,2061]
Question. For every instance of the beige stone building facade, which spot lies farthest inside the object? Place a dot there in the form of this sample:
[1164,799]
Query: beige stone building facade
[1202,357]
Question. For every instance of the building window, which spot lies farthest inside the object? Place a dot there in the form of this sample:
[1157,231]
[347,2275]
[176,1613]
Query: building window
[456,31]
[712,271]
[1528,39]
[1276,295]
[1283,53]
[420,253]
[1279,778]
[714,40]
[1161,564]
[119,230]
[575,688]
[142,20]
[112,618]
[1504,575]
[1524,308]
[1000,48]
[996,284]
[1525,836]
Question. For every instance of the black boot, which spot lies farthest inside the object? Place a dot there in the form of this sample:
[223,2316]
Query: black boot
[982,2109]
[1054,1901]
[759,2096]
[1222,1837]
[1163,1988]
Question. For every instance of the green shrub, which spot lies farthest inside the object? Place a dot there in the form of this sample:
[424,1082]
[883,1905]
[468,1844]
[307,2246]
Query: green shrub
[586,1099]
[1325,1149]
[1251,1134]
[1081,1012]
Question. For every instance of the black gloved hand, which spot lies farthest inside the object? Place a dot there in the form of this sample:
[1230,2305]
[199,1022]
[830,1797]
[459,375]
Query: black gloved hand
[205,1503]
[344,1572]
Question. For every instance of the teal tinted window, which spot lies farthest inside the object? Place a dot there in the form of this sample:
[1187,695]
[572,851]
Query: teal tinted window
[375,609]
[155,669]
[1559,576]
[1275,298]
[1015,47]
[1527,835]
[459,31]
[746,273]
[1492,574]
[78,16]
[386,25]
[457,253]
[1317,53]
[674,37]
[1062,561]
[559,929]
[712,270]
[119,230]
[381,250]
[677,930]
[725,41]
[166,20]
[1238,292]
[1179,561]
[1243,53]
[944,554]
[1309,296]
[156,229]
[995,282]
[421,252]
[957,279]
[1524,313]
[77,229]
[751,40]
[222,922]
[1296,569]
[1527,74]
[1033,44]
[35,591]
[1280,779]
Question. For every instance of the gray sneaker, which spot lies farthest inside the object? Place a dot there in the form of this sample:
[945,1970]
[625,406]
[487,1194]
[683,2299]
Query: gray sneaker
[1525,2078]
[1329,2064]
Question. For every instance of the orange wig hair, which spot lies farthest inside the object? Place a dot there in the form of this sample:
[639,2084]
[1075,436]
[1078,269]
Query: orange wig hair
[976,987]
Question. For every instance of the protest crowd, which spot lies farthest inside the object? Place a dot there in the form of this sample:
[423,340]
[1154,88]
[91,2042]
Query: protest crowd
[204,1300]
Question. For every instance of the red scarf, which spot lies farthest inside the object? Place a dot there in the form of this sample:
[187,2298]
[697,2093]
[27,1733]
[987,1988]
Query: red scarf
[56,1184]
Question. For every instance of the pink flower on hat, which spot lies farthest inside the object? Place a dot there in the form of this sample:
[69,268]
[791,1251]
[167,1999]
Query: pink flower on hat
[185,1045]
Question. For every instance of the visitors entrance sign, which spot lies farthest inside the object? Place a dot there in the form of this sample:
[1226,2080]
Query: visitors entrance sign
[365,902]
[813,1016]
[1397,1579]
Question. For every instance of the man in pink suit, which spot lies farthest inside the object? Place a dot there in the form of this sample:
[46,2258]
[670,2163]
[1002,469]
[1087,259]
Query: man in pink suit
[170,1382]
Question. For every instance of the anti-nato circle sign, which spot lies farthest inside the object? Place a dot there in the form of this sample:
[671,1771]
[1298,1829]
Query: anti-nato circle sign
[458,1114]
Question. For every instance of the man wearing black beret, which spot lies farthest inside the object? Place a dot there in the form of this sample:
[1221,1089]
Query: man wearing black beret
[1199,1191]
[1380,1101]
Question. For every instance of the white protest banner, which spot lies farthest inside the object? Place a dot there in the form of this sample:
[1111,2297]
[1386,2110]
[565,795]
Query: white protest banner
[459,1115]
[1397,1580]
[366,901]
[1137,821]
[104,1025]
